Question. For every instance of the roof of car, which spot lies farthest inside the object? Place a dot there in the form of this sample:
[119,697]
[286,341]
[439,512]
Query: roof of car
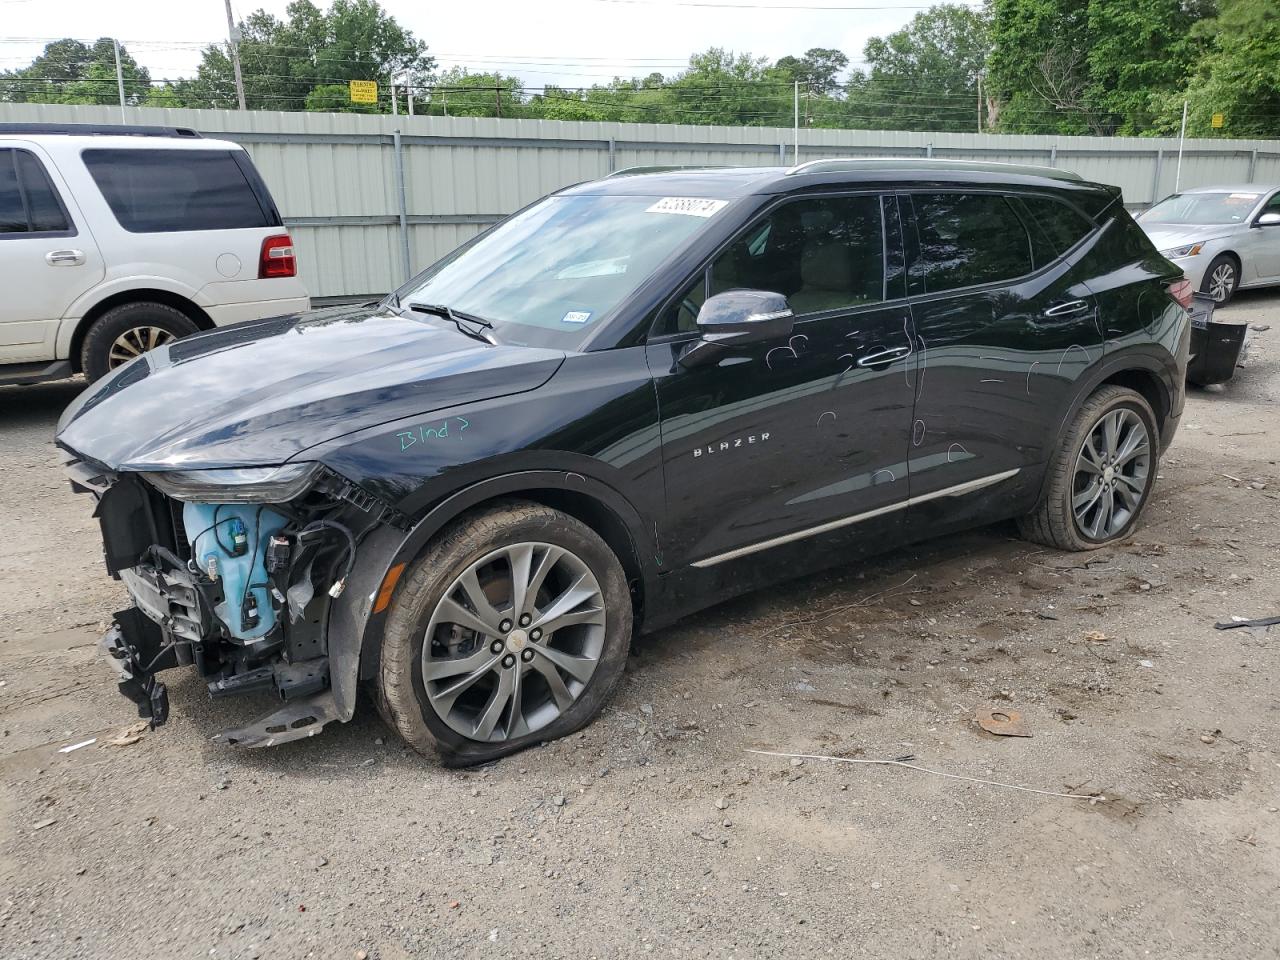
[99,135]
[734,182]
[1258,188]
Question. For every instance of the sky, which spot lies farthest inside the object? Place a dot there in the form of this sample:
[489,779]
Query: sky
[565,42]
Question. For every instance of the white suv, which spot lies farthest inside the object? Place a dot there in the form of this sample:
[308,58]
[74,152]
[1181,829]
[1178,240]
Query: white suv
[115,240]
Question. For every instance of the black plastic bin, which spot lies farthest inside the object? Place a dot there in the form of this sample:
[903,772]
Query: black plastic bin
[1216,347]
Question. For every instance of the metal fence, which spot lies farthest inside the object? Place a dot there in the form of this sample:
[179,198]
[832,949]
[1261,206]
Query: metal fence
[369,199]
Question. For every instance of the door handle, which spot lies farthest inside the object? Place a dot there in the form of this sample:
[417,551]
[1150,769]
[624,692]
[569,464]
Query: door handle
[883,356]
[64,258]
[1067,309]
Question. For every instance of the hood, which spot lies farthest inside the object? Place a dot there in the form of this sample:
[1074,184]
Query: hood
[1167,236]
[262,392]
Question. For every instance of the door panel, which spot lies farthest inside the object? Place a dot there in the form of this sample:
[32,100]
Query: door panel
[1260,254]
[813,429]
[47,257]
[998,362]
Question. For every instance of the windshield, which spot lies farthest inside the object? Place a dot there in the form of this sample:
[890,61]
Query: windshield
[550,275]
[1203,208]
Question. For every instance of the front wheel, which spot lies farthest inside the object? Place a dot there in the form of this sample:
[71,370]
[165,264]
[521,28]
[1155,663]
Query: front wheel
[1221,279]
[1101,477]
[511,629]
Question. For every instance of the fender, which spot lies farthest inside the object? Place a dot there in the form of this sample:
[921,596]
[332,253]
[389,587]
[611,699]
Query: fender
[355,629]
[95,295]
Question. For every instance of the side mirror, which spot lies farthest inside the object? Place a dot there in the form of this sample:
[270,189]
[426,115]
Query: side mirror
[736,318]
[1268,220]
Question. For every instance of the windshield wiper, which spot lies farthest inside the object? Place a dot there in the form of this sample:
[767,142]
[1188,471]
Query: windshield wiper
[459,320]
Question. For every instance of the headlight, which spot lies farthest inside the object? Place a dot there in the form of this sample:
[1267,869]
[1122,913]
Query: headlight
[236,484]
[1190,250]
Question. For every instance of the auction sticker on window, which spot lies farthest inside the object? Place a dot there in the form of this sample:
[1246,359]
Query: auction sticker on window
[688,206]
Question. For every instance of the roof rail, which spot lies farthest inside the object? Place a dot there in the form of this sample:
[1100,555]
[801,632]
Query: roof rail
[667,168]
[95,130]
[850,164]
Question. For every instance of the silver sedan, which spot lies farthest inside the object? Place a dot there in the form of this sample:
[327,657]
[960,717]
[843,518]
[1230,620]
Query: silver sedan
[1223,238]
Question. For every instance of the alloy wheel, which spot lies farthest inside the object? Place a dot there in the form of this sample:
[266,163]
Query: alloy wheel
[1221,282]
[1111,474]
[134,342]
[513,642]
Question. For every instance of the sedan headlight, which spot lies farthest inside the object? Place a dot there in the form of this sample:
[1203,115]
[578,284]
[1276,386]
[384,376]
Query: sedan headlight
[237,484]
[1190,250]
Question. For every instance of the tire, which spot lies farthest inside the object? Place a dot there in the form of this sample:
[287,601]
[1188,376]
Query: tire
[1226,284]
[444,725]
[1055,522]
[128,330]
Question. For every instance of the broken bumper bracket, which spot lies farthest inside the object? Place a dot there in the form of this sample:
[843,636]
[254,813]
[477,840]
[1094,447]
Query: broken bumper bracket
[296,720]
[134,680]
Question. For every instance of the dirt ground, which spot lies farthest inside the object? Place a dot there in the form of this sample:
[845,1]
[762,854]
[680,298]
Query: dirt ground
[655,832]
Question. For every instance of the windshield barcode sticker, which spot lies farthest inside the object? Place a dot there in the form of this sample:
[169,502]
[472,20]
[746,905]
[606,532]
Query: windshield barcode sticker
[576,316]
[689,206]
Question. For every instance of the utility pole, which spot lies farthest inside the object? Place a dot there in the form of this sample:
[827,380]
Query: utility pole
[979,102]
[497,99]
[115,44]
[233,35]
[795,126]
[395,106]
[408,89]
[1177,180]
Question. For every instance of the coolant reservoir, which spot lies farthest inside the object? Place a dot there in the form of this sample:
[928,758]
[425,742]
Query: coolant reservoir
[231,540]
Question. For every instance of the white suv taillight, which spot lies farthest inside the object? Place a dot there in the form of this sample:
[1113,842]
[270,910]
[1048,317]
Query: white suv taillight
[1182,291]
[276,259]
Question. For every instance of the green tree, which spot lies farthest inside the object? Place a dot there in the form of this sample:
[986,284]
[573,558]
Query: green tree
[1239,77]
[69,71]
[285,61]
[1091,66]
[924,76]
[819,69]
[457,93]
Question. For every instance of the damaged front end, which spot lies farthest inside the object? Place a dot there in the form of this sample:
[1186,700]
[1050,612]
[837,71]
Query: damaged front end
[236,572]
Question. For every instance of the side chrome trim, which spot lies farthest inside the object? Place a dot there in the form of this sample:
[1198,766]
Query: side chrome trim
[956,491]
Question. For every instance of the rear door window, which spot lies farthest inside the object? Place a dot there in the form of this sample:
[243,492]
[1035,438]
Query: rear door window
[966,239]
[1055,227]
[165,191]
[29,204]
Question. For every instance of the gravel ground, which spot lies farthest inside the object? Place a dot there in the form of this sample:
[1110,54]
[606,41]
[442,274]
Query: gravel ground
[655,832]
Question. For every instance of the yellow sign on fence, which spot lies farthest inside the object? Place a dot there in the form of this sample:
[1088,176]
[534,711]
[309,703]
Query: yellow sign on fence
[364,91]
[1217,120]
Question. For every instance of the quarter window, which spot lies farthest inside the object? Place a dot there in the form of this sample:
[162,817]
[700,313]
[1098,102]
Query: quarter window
[28,201]
[164,191]
[967,239]
[1055,227]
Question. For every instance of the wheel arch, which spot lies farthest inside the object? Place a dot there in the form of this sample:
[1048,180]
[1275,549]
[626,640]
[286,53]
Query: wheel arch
[1137,371]
[358,621]
[137,295]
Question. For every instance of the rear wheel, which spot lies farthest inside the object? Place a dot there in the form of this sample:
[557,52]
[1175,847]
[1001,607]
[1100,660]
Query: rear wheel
[1100,479]
[1222,278]
[128,331]
[510,630]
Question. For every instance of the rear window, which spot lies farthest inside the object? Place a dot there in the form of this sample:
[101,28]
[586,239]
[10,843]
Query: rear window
[28,202]
[967,239]
[165,191]
[1055,227]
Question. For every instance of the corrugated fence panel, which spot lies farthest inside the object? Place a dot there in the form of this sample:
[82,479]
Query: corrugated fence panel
[334,176]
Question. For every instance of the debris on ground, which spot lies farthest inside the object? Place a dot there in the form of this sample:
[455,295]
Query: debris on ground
[40,825]
[1235,622]
[77,746]
[130,734]
[1003,723]
[1096,636]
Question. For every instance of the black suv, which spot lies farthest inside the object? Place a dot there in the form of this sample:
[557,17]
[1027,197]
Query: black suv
[629,400]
